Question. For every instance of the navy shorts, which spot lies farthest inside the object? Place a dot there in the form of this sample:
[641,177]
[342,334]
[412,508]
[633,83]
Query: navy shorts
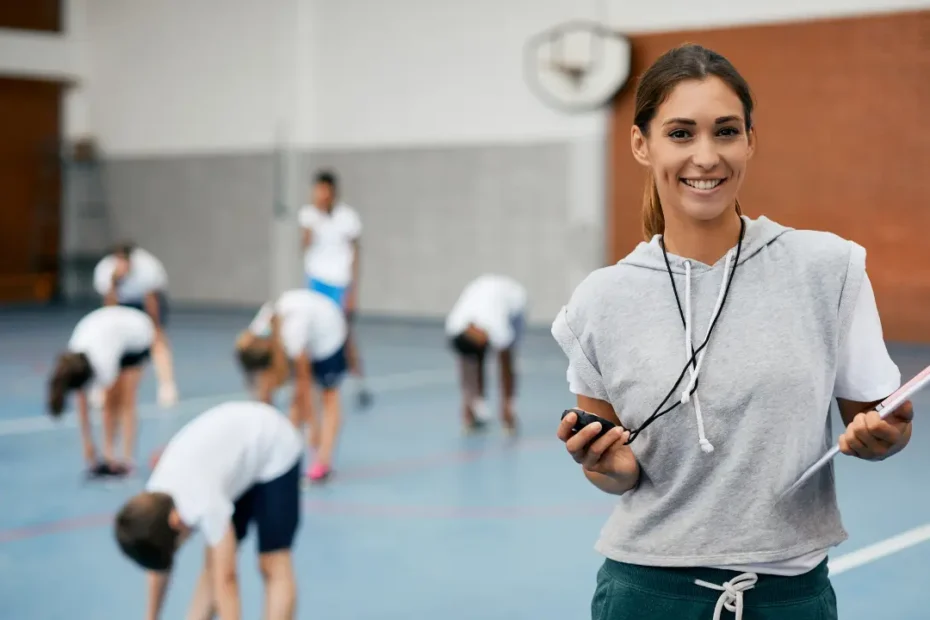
[328,373]
[162,318]
[134,359]
[518,323]
[274,508]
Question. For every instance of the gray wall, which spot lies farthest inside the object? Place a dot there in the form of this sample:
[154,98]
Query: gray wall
[433,217]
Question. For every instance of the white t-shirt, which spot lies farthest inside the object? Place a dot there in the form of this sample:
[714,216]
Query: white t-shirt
[146,275]
[491,303]
[216,457]
[309,321]
[865,373]
[106,334]
[330,255]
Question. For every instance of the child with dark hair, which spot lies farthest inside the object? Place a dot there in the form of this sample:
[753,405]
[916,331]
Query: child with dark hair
[331,233]
[489,314]
[302,334]
[131,276]
[234,465]
[107,350]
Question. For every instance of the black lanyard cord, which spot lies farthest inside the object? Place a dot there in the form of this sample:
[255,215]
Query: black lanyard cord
[691,362]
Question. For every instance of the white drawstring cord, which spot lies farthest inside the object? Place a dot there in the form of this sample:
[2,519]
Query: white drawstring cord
[732,593]
[686,396]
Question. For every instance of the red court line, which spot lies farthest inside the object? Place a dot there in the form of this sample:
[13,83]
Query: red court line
[54,527]
[344,509]
[371,472]
[383,470]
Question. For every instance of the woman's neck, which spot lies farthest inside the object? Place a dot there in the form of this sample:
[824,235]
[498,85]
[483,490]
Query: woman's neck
[703,241]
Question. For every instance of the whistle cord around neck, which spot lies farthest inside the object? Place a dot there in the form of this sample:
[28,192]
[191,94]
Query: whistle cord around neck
[658,413]
[681,313]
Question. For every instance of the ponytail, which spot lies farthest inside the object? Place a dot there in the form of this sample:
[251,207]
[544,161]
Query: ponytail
[653,218]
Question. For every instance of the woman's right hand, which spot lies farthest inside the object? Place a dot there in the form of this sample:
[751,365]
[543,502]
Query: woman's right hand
[609,455]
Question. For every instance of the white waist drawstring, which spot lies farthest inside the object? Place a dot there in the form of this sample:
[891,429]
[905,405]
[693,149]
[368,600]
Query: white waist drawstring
[731,596]
[686,395]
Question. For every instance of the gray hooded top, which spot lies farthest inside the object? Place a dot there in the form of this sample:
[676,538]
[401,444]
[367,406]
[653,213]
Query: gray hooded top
[713,467]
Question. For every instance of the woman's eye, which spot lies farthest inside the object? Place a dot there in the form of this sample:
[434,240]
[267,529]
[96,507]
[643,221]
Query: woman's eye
[684,134]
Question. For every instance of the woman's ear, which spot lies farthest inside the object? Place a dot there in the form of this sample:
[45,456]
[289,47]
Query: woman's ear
[639,146]
[751,136]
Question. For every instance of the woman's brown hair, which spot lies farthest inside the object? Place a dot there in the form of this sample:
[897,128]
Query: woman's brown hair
[688,62]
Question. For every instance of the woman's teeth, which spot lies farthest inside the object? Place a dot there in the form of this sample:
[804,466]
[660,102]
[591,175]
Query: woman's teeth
[704,184]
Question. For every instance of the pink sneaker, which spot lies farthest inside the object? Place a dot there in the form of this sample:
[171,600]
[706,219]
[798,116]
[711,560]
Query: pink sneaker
[319,472]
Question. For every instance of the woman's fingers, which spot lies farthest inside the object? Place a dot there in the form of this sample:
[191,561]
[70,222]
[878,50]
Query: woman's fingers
[577,444]
[565,432]
[600,447]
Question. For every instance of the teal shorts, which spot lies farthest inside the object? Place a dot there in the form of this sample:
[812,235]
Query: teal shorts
[628,592]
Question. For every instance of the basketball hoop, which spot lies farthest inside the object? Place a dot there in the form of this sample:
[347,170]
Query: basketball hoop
[573,73]
[577,66]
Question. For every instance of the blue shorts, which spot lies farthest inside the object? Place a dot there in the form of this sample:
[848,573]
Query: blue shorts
[274,508]
[336,293]
[139,304]
[328,373]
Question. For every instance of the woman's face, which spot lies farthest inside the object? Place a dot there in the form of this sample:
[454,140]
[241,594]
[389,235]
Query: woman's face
[698,149]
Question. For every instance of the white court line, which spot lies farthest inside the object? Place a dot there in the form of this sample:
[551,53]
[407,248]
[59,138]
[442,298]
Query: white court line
[879,550]
[149,411]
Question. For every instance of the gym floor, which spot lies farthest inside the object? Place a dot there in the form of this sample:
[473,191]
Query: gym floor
[419,521]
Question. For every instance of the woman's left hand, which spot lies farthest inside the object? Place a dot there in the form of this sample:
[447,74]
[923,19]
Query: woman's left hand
[870,437]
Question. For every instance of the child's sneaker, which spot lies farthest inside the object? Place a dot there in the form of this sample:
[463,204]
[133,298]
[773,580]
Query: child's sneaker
[99,470]
[122,470]
[103,469]
[319,472]
[365,398]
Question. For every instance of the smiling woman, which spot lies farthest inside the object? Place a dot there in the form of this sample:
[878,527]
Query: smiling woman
[702,150]
[787,321]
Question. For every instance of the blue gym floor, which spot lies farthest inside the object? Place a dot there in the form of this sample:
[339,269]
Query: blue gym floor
[419,522]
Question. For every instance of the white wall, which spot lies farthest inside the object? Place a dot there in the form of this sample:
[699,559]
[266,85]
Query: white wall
[36,55]
[174,76]
[245,75]
[53,56]
[433,72]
